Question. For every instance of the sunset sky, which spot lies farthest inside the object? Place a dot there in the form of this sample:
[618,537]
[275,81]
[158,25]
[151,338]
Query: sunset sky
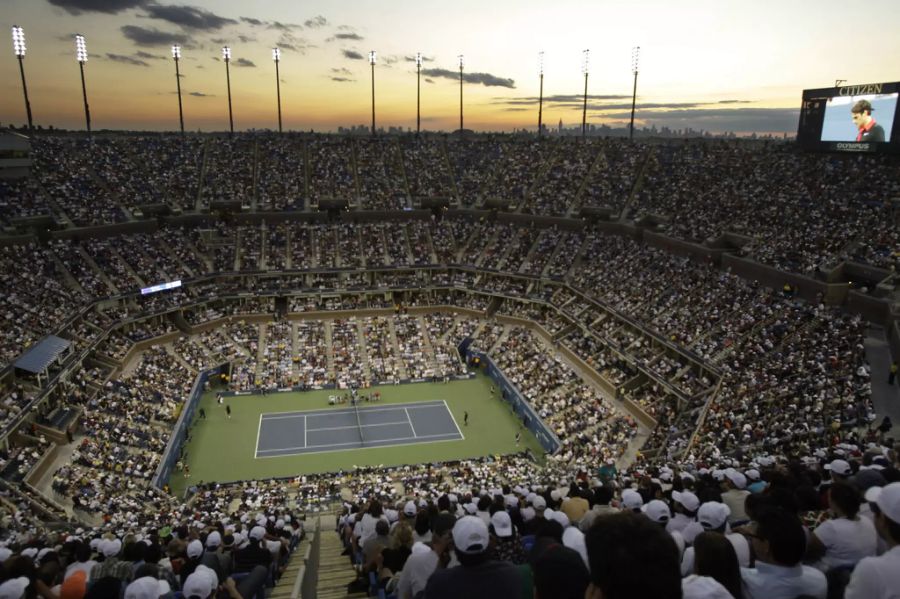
[723,65]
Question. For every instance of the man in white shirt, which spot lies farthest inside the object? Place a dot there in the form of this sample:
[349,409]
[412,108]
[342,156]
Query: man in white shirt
[879,577]
[779,543]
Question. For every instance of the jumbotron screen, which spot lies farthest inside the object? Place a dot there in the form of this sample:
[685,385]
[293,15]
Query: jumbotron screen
[851,118]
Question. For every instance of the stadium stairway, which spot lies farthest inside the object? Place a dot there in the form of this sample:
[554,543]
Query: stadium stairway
[335,570]
[288,585]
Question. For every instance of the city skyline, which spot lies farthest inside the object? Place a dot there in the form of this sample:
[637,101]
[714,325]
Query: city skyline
[703,65]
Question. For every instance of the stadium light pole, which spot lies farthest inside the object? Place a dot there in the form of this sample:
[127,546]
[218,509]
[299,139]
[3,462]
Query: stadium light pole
[18,37]
[226,56]
[461,64]
[584,69]
[176,56]
[372,60]
[81,56]
[635,53]
[276,56]
[541,96]
[418,93]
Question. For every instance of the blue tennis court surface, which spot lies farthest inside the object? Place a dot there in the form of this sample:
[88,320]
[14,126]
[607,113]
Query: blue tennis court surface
[336,429]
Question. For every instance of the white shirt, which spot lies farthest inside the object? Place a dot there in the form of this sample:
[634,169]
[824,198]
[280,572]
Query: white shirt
[734,499]
[846,541]
[876,577]
[769,581]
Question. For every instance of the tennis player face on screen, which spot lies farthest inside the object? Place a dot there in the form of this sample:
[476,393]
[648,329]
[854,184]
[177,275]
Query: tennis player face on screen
[869,130]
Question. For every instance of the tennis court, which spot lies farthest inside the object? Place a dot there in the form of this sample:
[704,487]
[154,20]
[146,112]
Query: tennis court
[337,429]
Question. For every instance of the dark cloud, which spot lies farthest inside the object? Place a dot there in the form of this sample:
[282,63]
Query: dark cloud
[289,41]
[127,60]
[200,95]
[189,17]
[246,39]
[243,62]
[412,58]
[485,79]
[429,80]
[283,26]
[342,71]
[352,55]
[346,36]
[390,59]
[316,22]
[343,79]
[143,36]
[76,7]
[251,21]
[148,56]
[562,99]
[219,41]
[516,109]
[735,102]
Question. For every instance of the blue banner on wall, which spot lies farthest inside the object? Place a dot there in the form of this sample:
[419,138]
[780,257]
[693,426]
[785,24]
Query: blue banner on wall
[520,406]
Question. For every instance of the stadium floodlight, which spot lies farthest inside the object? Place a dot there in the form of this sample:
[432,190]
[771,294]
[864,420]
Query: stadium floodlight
[372,60]
[176,56]
[276,56]
[18,37]
[226,56]
[541,94]
[418,93]
[585,63]
[635,54]
[461,65]
[81,56]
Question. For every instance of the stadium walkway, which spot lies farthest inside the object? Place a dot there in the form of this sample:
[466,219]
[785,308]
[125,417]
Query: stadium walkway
[886,398]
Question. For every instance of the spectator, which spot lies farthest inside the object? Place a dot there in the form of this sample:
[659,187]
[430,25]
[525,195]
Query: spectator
[477,576]
[879,577]
[847,537]
[630,556]
[715,558]
[779,544]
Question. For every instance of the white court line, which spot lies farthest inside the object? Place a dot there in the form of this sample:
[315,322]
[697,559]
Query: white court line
[357,443]
[297,415]
[456,424]
[425,404]
[341,428]
[258,429]
[410,423]
[305,430]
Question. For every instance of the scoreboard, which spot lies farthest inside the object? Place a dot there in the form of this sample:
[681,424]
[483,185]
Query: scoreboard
[851,118]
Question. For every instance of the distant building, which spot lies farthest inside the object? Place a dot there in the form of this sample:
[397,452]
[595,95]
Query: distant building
[15,155]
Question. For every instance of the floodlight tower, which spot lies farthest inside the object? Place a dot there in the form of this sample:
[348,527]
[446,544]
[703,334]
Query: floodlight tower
[276,56]
[461,64]
[372,60]
[541,96]
[81,56]
[584,69]
[635,54]
[176,56]
[226,56]
[418,93]
[18,37]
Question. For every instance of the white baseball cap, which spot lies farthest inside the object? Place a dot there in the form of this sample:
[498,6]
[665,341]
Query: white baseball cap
[657,511]
[737,478]
[632,500]
[840,467]
[539,502]
[713,514]
[195,548]
[502,524]
[887,499]
[470,535]
[147,587]
[14,588]
[690,501]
